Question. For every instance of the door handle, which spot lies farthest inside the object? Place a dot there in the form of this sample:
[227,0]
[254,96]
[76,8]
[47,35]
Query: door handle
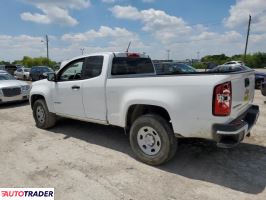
[75,87]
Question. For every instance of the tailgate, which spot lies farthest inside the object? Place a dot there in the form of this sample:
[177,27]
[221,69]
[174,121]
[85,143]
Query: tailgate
[243,89]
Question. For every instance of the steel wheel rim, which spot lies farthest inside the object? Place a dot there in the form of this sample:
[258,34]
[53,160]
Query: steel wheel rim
[149,140]
[40,114]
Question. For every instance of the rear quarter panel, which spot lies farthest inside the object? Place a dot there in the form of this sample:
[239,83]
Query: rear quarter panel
[187,98]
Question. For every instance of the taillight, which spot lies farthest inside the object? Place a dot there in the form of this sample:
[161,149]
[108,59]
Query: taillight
[222,99]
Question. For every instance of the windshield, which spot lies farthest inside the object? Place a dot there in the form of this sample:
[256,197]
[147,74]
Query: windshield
[173,68]
[6,77]
[26,70]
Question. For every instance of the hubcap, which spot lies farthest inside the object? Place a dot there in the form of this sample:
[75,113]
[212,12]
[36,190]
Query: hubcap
[40,114]
[149,141]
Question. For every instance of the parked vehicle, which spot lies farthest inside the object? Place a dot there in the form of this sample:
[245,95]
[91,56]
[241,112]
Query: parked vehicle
[9,68]
[229,68]
[259,76]
[122,89]
[259,79]
[173,67]
[263,88]
[209,65]
[12,89]
[234,63]
[39,72]
[22,73]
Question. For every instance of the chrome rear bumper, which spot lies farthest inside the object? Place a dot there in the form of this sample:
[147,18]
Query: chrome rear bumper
[229,135]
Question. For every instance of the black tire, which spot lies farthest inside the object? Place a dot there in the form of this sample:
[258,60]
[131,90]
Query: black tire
[168,140]
[24,78]
[49,118]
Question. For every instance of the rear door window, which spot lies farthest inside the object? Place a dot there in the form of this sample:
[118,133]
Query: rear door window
[93,67]
[128,66]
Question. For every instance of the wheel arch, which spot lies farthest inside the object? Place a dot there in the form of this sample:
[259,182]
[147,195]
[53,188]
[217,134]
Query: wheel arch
[34,98]
[136,110]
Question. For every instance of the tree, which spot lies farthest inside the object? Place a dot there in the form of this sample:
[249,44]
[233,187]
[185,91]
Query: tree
[256,60]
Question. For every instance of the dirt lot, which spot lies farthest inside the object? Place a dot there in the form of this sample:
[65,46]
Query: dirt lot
[86,161]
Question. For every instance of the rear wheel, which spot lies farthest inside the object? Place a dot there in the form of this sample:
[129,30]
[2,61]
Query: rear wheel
[24,78]
[152,139]
[43,118]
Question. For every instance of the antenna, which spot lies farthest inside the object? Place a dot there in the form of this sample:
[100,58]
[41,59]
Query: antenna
[128,46]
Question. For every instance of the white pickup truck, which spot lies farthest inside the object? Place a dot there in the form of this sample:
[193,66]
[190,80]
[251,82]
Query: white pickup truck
[122,89]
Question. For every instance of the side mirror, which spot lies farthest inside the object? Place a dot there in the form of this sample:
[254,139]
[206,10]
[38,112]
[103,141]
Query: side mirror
[51,76]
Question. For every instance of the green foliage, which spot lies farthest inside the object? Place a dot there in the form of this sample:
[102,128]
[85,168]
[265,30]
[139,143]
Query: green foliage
[199,65]
[256,60]
[30,62]
[218,59]
[4,63]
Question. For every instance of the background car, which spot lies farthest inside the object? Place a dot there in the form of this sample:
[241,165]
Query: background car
[12,89]
[229,68]
[234,63]
[2,67]
[10,68]
[259,79]
[209,65]
[3,71]
[22,73]
[259,76]
[173,68]
[39,72]
[263,87]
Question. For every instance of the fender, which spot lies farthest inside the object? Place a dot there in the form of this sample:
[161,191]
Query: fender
[43,88]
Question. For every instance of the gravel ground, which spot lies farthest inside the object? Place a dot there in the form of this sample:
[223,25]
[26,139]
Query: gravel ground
[87,161]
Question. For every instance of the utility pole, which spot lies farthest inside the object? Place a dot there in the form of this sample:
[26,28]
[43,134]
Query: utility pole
[198,55]
[168,54]
[82,51]
[245,54]
[47,46]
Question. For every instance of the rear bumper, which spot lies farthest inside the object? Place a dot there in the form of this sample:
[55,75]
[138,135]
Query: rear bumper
[229,135]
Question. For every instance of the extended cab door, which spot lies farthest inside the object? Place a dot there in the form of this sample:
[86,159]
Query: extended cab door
[94,79]
[67,91]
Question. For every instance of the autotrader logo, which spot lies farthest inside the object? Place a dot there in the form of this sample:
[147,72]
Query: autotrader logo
[27,193]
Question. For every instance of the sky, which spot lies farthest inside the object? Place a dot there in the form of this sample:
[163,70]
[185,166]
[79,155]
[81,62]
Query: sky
[187,28]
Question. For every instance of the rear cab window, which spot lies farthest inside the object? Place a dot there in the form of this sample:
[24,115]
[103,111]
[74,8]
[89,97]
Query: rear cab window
[132,65]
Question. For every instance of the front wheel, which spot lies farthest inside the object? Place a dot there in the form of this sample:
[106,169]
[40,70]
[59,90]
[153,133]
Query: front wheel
[152,139]
[43,118]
